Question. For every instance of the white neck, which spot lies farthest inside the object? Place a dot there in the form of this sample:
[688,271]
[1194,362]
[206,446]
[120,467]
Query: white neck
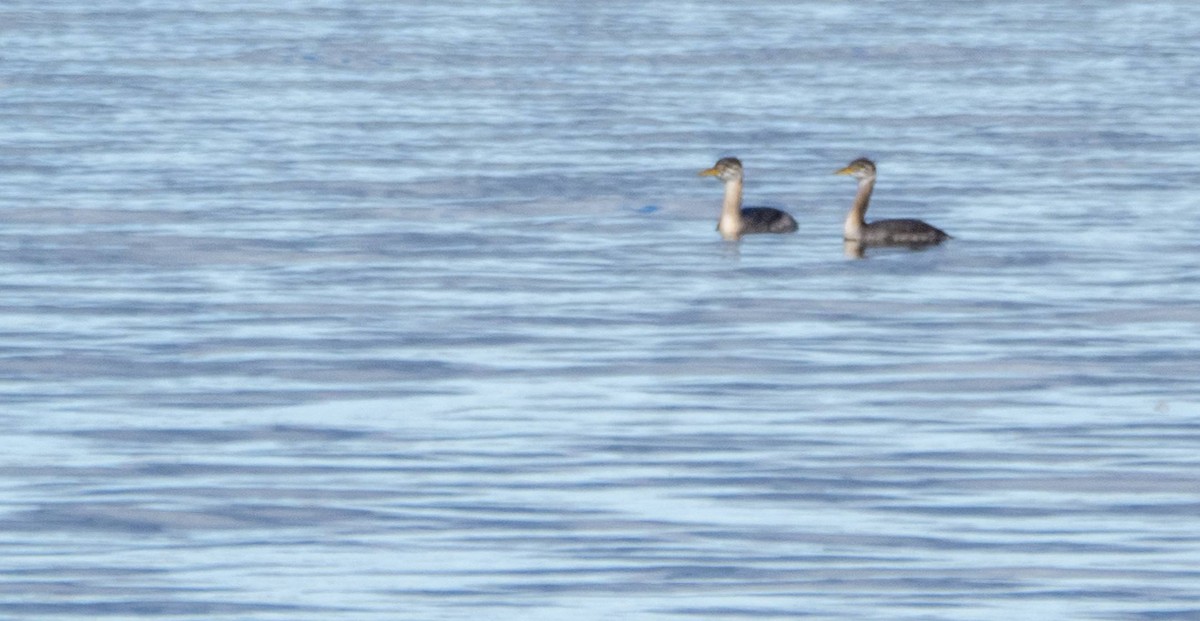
[730,224]
[856,220]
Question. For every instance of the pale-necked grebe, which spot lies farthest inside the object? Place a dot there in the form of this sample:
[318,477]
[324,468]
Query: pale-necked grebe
[737,221]
[898,232]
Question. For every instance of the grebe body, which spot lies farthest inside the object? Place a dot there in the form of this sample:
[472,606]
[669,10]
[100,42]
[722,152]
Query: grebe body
[892,232]
[736,220]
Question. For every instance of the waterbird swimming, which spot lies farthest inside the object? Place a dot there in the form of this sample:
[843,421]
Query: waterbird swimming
[893,232]
[736,220]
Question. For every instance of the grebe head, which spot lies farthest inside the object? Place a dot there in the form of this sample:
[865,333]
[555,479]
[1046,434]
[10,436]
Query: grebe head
[726,169]
[861,168]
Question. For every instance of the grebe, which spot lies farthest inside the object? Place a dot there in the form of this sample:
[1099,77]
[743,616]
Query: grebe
[737,221]
[898,232]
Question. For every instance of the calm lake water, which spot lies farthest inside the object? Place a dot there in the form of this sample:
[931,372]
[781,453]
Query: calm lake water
[317,310]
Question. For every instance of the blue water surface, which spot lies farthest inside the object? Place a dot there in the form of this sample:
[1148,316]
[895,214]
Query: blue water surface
[330,310]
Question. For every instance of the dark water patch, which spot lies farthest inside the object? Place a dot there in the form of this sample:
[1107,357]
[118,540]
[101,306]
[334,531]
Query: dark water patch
[160,607]
[276,433]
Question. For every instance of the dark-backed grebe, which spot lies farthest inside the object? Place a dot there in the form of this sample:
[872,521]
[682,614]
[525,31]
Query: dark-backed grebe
[898,232]
[737,221]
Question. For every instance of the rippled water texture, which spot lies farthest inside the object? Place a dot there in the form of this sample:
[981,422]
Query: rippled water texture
[324,310]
